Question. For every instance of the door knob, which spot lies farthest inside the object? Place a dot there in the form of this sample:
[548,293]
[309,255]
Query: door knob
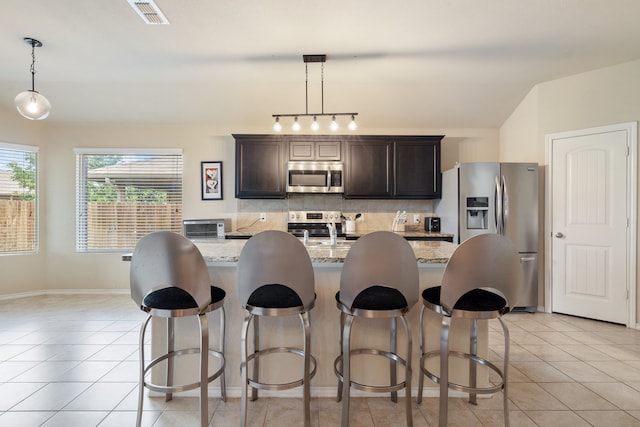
[559,235]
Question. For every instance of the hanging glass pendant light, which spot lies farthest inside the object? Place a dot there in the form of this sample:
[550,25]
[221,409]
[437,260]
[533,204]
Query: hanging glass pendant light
[30,103]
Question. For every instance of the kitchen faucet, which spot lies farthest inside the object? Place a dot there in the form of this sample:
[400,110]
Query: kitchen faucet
[332,232]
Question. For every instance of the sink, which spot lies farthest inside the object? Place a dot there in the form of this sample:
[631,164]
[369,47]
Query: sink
[327,243]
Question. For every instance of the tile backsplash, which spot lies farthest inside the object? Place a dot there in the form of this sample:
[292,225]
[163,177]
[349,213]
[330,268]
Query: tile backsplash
[377,214]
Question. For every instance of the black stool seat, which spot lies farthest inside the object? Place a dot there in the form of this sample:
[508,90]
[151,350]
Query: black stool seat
[474,300]
[174,298]
[274,296]
[378,298]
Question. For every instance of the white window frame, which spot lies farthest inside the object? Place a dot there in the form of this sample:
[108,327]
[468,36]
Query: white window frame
[81,183]
[29,149]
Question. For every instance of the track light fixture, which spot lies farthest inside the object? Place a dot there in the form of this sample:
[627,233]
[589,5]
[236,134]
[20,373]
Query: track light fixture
[30,103]
[315,126]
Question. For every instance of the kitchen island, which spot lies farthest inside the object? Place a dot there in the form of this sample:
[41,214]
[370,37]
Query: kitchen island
[218,252]
[221,257]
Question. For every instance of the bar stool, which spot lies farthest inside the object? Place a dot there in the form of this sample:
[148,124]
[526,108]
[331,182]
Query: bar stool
[275,278]
[379,280]
[169,279]
[481,282]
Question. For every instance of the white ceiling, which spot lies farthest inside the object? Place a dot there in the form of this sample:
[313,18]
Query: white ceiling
[407,64]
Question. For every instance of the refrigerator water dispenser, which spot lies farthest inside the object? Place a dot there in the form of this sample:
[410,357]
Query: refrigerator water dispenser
[477,213]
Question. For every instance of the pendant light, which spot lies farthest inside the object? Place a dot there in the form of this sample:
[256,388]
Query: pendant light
[315,126]
[30,103]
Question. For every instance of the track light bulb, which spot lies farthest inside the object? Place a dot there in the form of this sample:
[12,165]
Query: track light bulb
[277,126]
[315,126]
[353,125]
[296,125]
[334,125]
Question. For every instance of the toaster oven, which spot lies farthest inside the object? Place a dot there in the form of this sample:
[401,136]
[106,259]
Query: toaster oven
[205,229]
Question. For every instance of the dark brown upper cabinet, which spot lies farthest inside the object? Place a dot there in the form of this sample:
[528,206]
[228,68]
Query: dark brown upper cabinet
[376,167]
[303,149]
[260,167]
[369,169]
[393,168]
[417,168]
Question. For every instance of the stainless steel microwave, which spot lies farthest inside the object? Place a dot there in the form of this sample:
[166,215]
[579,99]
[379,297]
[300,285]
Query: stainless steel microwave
[205,229]
[315,177]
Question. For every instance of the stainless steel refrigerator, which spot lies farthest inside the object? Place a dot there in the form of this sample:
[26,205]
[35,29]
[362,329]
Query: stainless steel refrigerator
[502,198]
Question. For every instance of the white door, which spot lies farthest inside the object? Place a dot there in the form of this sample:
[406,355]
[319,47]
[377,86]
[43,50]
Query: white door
[591,208]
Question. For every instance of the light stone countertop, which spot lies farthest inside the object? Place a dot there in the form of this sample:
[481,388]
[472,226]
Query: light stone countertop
[228,251]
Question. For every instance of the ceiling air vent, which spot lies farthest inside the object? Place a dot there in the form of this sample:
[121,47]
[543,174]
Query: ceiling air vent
[149,11]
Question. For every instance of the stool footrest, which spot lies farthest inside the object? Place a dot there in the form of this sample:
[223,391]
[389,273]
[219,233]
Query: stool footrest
[280,386]
[372,388]
[460,387]
[182,387]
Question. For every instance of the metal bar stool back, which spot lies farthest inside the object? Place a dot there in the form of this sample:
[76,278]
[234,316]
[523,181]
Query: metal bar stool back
[481,282]
[274,278]
[379,280]
[170,279]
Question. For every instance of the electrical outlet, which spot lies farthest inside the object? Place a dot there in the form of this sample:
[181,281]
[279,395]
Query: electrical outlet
[263,216]
[416,218]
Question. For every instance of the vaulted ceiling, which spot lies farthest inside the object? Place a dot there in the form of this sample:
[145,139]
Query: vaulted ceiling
[409,64]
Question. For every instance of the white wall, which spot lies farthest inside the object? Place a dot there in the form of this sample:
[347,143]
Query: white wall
[23,273]
[601,97]
[67,269]
[58,266]
[519,133]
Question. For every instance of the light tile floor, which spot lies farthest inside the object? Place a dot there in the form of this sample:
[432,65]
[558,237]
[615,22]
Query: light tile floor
[62,363]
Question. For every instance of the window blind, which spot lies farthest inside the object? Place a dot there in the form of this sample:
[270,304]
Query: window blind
[18,199]
[122,196]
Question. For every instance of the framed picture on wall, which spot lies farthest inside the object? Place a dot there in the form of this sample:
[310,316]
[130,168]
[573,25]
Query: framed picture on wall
[211,180]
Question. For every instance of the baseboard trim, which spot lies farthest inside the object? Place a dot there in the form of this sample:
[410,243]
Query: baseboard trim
[64,292]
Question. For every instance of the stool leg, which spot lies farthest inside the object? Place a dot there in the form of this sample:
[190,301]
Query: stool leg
[223,384]
[244,351]
[346,369]
[170,349]
[422,351]
[473,369]
[392,363]
[340,365]
[256,361]
[505,371]
[407,373]
[143,329]
[307,366]
[204,370]
[444,370]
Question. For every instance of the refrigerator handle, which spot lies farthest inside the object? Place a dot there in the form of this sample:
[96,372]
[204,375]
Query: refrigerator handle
[497,207]
[505,206]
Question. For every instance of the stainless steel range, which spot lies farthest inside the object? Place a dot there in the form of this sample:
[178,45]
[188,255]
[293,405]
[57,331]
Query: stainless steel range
[315,222]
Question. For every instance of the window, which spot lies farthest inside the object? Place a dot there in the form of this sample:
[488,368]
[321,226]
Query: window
[123,195]
[18,199]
